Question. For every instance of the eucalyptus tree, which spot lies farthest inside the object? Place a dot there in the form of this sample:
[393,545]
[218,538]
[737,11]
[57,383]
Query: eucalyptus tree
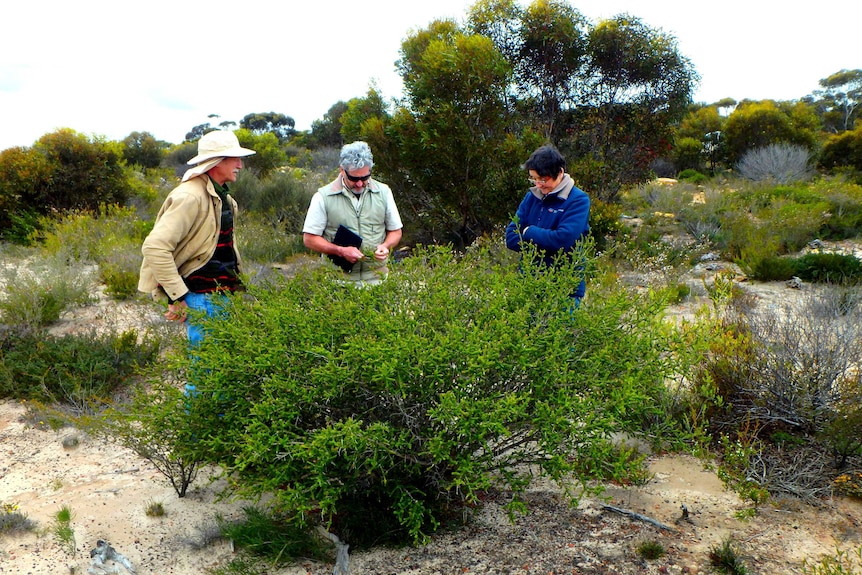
[479,97]
[283,127]
[452,136]
[607,93]
[840,99]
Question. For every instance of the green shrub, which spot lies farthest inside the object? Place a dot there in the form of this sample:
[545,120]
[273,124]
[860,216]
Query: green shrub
[770,268]
[154,509]
[277,539]
[92,236]
[740,238]
[692,176]
[385,410]
[842,434]
[264,242]
[23,225]
[153,423]
[76,371]
[796,224]
[651,550]
[62,529]
[688,155]
[679,292]
[843,149]
[119,271]
[604,221]
[282,197]
[829,268]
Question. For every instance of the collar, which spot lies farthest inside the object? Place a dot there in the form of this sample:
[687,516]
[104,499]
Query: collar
[221,189]
[337,186]
[562,191]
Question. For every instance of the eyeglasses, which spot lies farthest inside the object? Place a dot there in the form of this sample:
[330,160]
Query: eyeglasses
[355,179]
[537,181]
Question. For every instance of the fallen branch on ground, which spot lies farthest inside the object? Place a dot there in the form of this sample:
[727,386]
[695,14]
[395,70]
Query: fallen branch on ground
[640,517]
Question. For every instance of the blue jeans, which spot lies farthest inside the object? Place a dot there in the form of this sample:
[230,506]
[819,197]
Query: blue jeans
[212,304]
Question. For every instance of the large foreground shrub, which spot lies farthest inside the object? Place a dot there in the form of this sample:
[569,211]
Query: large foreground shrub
[383,411]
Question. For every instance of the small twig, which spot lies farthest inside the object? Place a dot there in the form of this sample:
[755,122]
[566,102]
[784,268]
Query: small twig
[640,517]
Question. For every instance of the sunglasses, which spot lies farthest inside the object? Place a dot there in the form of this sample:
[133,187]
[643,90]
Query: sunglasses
[355,179]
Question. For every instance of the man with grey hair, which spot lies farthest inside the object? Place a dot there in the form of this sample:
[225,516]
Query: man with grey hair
[353,216]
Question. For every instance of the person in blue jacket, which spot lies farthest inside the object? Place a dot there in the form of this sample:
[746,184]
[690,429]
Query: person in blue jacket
[554,213]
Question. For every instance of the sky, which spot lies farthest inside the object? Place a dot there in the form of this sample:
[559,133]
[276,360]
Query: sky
[109,68]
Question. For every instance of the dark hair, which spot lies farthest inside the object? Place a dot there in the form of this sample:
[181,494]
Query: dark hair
[546,161]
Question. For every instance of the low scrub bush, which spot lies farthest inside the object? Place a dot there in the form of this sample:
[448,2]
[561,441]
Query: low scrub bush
[845,208]
[264,242]
[62,529]
[769,268]
[119,271]
[832,268]
[651,550]
[725,558]
[39,289]
[604,222]
[282,197]
[91,236]
[842,431]
[75,371]
[849,484]
[829,268]
[264,534]
[388,410]
[13,520]
[781,163]
[692,176]
[785,365]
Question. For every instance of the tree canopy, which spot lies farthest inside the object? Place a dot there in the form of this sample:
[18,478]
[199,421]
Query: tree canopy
[270,122]
[479,98]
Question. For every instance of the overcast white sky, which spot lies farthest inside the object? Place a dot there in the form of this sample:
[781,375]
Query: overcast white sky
[109,68]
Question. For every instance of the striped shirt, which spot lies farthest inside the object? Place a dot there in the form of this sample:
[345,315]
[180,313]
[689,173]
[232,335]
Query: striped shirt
[221,273]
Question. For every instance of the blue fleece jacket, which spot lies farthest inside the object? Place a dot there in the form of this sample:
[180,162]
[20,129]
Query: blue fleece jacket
[553,222]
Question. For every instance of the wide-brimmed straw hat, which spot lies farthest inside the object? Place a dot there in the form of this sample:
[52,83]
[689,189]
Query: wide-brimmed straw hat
[212,148]
[219,144]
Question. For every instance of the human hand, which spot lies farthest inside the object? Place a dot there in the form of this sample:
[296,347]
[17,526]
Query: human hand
[381,253]
[352,254]
[177,311]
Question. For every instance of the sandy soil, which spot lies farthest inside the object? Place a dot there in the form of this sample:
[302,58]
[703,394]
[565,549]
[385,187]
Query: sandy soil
[109,488]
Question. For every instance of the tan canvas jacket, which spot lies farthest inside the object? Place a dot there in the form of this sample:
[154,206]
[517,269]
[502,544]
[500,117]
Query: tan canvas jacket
[183,238]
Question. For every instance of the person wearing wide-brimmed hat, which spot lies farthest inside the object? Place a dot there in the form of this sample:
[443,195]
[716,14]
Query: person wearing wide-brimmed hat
[190,254]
